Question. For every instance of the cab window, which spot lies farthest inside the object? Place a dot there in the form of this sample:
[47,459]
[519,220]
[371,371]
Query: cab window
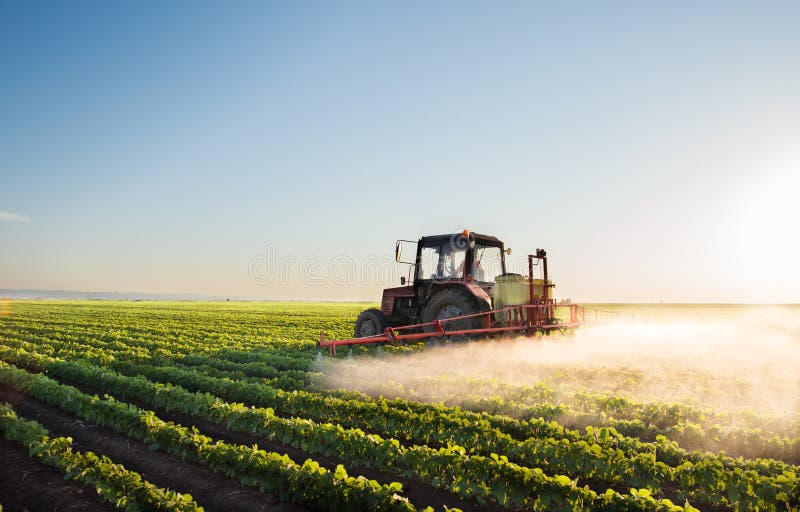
[442,262]
[488,263]
[429,261]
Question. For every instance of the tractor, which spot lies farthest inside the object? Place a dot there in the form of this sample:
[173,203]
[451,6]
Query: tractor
[458,286]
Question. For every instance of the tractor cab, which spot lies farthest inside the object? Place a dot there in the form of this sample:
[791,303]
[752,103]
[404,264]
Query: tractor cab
[462,257]
[462,266]
[453,275]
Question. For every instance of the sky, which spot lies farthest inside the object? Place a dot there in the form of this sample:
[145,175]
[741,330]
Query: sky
[278,149]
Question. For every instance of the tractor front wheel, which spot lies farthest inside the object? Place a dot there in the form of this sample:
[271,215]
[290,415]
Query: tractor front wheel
[370,323]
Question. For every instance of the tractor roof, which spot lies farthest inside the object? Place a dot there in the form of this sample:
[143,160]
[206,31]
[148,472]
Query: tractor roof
[449,236]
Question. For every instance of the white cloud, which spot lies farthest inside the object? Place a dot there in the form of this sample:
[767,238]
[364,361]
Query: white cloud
[13,217]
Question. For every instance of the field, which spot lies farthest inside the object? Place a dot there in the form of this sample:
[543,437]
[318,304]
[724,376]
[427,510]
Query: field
[228,406]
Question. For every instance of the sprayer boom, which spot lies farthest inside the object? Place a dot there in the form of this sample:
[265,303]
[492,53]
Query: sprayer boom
[523,319]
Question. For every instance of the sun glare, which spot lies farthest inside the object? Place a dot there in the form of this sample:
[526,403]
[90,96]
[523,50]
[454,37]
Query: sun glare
[770,222]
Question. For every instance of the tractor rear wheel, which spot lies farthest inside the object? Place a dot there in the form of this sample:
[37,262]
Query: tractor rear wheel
[370,322]
[450,303]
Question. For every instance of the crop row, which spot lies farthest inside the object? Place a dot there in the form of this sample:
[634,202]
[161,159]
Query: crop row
[706,473]
[673,421]
[241,326]
[689,426]
[440,425]
[647,421]
[271,472]
[535,429]
[261,369]
[280,361]
[470,476]
[173,340]
[124,488]
[549,400]
[703,478]
[670,420]
[109,339]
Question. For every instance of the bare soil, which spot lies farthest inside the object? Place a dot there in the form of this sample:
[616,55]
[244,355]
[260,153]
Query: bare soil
[27,484]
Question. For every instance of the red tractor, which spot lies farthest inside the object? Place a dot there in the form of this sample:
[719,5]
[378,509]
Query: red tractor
[461,288]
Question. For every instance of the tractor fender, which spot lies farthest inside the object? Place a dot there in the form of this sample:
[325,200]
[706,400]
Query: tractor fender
[482,298]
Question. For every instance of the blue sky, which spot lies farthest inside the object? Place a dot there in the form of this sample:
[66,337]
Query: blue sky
[161,147]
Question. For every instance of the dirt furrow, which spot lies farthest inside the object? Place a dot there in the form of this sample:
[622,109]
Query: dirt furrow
[27,484]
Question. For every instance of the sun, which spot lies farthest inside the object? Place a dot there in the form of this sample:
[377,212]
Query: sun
[770,226]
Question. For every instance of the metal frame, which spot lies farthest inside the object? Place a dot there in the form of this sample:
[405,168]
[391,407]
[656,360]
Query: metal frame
[527,319]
